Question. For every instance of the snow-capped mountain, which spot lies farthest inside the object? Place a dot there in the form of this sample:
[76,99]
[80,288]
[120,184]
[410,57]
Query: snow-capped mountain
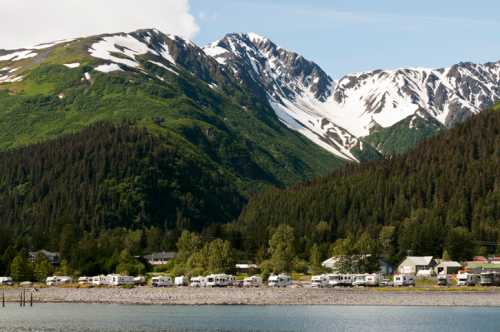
[337,115]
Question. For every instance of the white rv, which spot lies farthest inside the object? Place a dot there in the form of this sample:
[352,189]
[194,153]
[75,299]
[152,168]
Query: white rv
[281,280]
[119,280]
[6,281]
[100,280]
[85,281]
[181,281]
[198,282]
[319,281]
[373,280]
[360,280]
[253,281]
[219,280]
[334,280]
[140,281]
[467,279]
[347,280]
[490,278]
[402,280]
[161,281]
[58,280]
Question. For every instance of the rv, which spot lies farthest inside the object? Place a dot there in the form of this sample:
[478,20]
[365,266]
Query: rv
[334,280]
[161,281]
[198,282]
[85,281]
[360,280]
[100,280]
[139,281]
[443,279]
[402,280]
[181,281]
[373,280]
[57,281]
[281,280]
[6,281]
[119,280]
[467,279]
[490,278]
[253,281]
[347,280]
[219,280]
[319,281]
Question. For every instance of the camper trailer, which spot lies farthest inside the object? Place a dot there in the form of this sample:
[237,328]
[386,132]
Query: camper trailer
[281,280]
[404,280]
[443,279]
[6,281]
[139,281]
[219,280]
[198,282]
[253,281]
[181,281]
[161,281]
[467,279]
[373,280]
[359,280]
[100,280]
[490,278]
[347,280]
[119,280]
[58,280]
[319,281]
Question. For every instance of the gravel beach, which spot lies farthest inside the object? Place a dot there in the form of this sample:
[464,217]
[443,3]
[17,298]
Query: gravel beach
[263,296]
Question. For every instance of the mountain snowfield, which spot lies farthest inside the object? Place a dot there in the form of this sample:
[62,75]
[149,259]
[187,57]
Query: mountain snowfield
[338,115]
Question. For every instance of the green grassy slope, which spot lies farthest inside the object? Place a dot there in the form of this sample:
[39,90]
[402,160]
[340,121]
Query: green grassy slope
[227,127]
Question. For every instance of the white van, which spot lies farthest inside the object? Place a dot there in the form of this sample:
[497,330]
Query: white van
[403,280]
[6,281]
[161,281]
[198,282]
[181,281]
[58,280]
[281,280]
[253,281]
[319,281]
[467,279]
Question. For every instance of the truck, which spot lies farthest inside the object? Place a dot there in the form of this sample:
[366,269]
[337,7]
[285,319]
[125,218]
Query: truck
[253,281]
[58,280]
[467,279]
[280,280]
[404,280]
[319,281]
[161,281]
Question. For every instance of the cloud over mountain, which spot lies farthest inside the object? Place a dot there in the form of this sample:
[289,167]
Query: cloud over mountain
[27,22]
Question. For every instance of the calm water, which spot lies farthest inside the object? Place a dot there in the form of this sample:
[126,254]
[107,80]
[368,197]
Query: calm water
[85,317]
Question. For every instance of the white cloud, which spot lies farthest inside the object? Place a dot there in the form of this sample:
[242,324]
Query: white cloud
[27,22]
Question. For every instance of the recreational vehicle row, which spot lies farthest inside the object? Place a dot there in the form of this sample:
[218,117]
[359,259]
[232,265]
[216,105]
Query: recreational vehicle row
[345,280]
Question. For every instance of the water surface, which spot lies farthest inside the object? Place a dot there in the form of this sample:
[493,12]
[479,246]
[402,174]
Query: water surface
[119,318]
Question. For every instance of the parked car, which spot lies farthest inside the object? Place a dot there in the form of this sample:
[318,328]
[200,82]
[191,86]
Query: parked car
[6,281]
[467,279]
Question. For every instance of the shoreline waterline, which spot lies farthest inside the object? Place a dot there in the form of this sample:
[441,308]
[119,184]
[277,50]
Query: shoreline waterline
[261,297]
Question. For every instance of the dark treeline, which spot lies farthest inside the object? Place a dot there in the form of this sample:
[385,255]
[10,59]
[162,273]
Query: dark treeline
[440,199]
[107,189]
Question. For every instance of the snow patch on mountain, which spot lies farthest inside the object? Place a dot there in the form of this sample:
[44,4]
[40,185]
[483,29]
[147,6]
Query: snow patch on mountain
[18,55]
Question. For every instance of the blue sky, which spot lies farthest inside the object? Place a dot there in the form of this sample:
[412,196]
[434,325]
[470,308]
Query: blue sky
[345,36]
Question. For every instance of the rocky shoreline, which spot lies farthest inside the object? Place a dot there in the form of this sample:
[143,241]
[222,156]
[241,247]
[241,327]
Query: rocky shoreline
[262,296]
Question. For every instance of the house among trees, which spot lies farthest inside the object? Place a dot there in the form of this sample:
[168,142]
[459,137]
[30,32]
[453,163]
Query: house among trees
[414,264]
[357,264]
[54,258]
[160,258]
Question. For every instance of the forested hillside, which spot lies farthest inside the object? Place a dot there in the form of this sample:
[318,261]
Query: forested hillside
[442,197]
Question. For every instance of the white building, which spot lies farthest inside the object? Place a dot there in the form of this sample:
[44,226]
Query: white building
[414,264]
